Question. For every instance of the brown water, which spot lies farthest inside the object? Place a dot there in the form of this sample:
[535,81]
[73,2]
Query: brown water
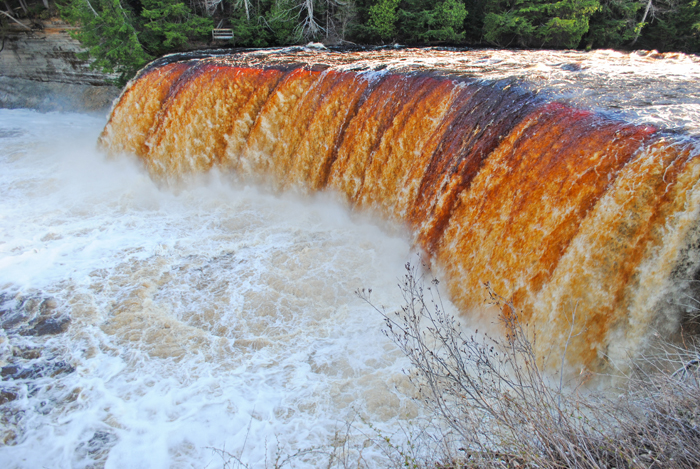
[562,209]
[144,325]
[145,328]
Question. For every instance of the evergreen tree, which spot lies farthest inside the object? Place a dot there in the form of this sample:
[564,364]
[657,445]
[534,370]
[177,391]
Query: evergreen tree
[447,21]
[169,25]
[383,17]
[474,23]
[282,22]
[538,23]
[249,32]
[672,25]
[250,28]
[123,35]
[423,21]
[614,24]
[108,32]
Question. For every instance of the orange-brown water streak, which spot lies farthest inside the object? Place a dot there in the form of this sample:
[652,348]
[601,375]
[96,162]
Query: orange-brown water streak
[570,214]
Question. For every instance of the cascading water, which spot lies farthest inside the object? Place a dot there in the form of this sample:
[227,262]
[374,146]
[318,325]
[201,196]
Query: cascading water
[144,327]
[566,211]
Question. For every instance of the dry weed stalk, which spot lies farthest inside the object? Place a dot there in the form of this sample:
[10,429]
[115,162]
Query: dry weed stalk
[508,413]
[662,408]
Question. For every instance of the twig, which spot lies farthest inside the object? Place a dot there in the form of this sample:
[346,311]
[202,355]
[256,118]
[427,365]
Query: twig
[15,20]
[686,368]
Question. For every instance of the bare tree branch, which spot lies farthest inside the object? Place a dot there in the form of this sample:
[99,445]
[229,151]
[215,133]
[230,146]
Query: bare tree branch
[15,20]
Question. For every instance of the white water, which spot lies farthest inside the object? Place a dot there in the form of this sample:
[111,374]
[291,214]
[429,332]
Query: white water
[642,87]
[219,317]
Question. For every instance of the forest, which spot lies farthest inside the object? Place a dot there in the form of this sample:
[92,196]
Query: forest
[123,35]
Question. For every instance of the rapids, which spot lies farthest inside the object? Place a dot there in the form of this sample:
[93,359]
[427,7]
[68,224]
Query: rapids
[146,328]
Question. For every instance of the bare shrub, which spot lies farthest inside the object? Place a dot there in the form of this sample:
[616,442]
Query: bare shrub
[504,411]
[660,412]
[356,444]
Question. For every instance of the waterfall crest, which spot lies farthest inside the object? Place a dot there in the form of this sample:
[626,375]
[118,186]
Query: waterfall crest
[568,212]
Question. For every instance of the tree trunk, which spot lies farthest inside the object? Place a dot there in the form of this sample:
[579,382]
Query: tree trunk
[644,18]
[19,23]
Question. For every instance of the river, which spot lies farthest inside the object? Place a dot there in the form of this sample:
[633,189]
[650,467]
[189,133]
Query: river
[176,324]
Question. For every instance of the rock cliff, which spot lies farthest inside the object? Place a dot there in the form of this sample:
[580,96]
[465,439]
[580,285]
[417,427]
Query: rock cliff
[40,69]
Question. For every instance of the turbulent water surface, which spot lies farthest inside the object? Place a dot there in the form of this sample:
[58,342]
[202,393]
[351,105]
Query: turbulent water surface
[215,321]
[144,328]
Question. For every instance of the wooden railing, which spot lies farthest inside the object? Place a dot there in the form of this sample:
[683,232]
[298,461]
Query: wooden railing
[222,34]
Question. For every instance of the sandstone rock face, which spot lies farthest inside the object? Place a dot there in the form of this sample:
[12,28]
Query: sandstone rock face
[40,69]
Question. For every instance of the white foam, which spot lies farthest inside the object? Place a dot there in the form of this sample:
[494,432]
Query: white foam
[218,317]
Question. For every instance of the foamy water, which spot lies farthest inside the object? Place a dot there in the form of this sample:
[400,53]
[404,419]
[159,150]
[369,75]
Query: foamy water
[639,86]
[217,317]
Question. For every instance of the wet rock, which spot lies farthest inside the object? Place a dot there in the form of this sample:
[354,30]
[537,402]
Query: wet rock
[18,93]
[572,67]
[26,353]
[100,441]
[7,396]
[47,326]
[33,315]
[49,369]
[9,371]
[97,447]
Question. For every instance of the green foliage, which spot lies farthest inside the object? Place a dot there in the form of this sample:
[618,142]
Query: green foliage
[448,19]
[123,35]
[170,25]
[249,32]
[382,18]
[120,41]
[38,10]
[474,23]
[249,25]
[282,22]
[675,26]
[538,23]
[108,32]
[413,18]
[614,24]
[423,21]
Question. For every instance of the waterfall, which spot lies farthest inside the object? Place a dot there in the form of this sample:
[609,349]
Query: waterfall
[571,213]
